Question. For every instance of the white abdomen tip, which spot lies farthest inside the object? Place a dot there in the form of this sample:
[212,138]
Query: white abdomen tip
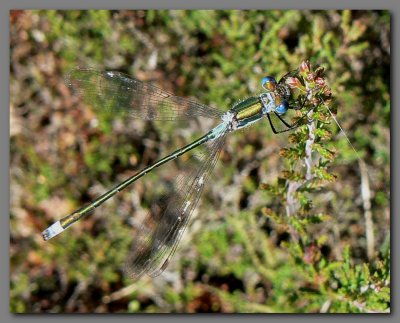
[52,231]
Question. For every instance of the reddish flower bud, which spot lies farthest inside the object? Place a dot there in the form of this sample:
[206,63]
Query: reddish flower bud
[293,82]
[320,81]
[310,76]
[315,101]
[305,67]
[327,91]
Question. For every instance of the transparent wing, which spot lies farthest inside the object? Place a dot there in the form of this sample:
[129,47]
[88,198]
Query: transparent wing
[117,92]
[159,234]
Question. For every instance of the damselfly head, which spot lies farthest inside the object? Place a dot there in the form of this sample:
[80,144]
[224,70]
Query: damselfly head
[269,83]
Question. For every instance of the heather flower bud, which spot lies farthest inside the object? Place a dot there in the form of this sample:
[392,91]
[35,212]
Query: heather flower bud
[294,82]
[310,76]
[305,67]
[327,92]
[320,81]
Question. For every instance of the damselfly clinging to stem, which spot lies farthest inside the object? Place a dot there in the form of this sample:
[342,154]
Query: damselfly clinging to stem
[156,240]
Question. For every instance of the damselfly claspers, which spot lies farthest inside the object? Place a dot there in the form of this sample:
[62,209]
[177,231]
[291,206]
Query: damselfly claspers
[157,238]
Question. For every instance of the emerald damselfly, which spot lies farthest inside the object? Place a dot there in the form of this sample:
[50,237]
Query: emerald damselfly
[157,238]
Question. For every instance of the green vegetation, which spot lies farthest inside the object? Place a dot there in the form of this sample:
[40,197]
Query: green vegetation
[258,241]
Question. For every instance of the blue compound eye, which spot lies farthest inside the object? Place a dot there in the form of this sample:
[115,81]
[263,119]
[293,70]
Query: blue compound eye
[268,83]
[282,107]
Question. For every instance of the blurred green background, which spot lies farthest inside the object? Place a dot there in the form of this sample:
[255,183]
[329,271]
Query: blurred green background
[233,257]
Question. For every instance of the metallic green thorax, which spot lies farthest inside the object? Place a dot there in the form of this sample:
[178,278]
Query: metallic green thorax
[247,111]
[247,108]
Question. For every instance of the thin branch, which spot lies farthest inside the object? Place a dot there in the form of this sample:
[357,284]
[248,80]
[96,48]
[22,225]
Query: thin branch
[366,197]
[293,204]
[308,150]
